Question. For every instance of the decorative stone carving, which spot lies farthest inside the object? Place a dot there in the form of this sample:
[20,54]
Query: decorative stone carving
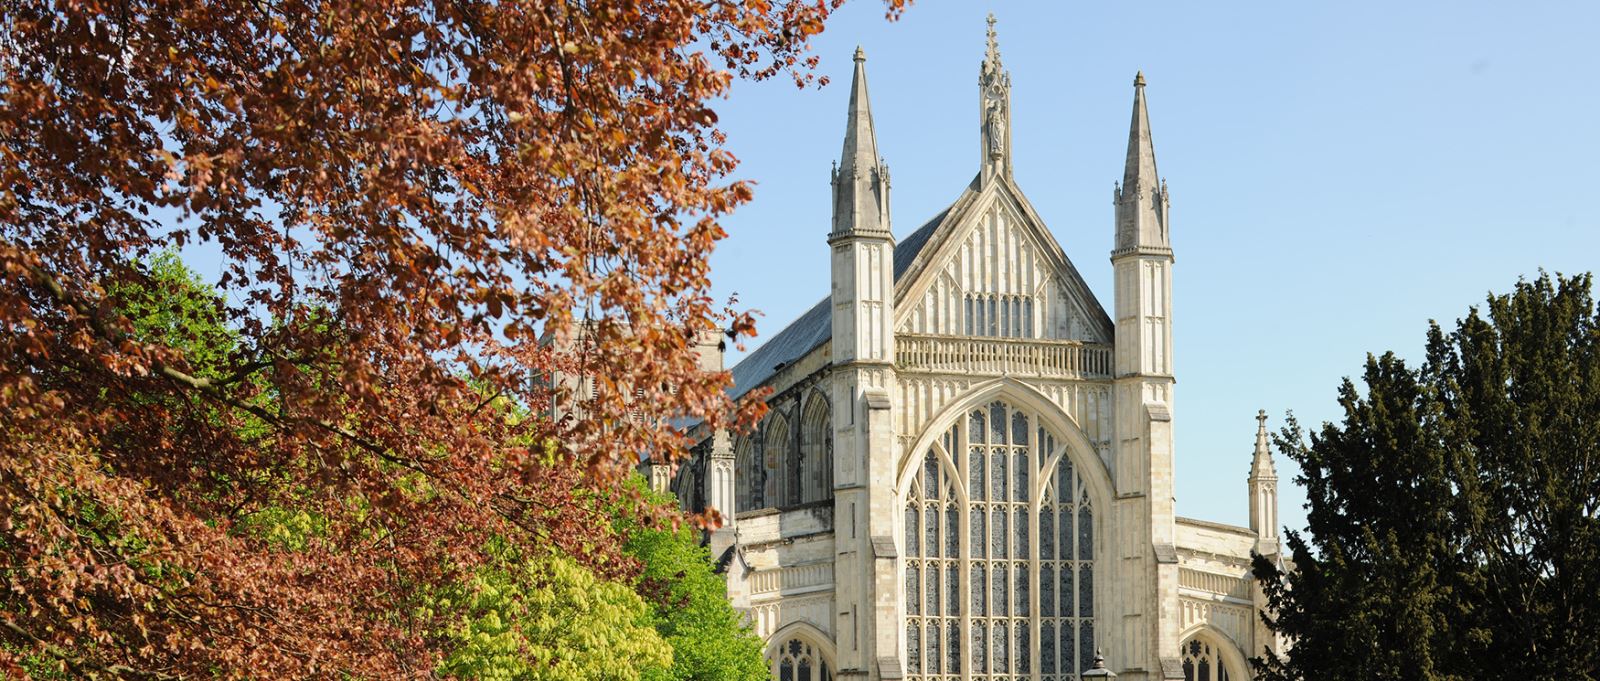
[997,481]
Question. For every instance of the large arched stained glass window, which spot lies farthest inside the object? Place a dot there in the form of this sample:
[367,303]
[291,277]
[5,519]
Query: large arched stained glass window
[1000,583]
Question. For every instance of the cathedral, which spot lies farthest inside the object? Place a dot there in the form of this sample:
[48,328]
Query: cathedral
[966,471]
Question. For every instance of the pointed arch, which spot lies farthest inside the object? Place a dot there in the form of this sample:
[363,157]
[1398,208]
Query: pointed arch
[816,448]
[1000,537]
[1074,442]
[1208,654]
[779,457]
[750,473]
[801,652]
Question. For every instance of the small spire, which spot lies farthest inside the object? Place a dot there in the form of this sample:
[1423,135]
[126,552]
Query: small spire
[1261,466]
[1263,485]
[860,142]
[1141,213]
[860,178]
[1141,165]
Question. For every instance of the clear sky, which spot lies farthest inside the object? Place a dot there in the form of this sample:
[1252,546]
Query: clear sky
[1341,173]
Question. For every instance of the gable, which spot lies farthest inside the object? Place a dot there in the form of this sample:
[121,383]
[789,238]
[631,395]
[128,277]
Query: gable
[991,268]
[934,273]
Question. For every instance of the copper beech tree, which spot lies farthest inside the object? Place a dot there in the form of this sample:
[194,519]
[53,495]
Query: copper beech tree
[404,198]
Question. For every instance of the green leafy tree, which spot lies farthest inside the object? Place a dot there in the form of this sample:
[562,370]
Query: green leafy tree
[172,306]
[548,618]
[710,642]
[1453,527]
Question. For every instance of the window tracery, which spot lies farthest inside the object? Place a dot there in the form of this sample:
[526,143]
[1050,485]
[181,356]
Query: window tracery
[799,660]
[999,578]
[1202,662]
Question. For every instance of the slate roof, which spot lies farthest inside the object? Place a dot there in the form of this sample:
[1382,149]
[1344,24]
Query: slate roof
[815,327]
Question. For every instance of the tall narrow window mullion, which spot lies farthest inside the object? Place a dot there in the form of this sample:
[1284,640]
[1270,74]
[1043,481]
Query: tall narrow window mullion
[999,580]
[1005,319]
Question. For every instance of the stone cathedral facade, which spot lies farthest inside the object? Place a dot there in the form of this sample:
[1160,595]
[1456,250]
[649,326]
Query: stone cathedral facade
[967,467]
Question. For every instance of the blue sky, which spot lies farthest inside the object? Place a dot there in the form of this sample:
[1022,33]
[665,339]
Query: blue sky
[1341,173]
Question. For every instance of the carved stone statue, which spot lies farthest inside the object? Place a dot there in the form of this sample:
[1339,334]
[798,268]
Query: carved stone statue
[995,122]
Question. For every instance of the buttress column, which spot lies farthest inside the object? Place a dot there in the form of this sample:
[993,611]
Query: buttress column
[1146,645]
[862,300]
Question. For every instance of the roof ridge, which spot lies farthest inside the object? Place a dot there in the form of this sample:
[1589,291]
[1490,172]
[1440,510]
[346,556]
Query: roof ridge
[812,328]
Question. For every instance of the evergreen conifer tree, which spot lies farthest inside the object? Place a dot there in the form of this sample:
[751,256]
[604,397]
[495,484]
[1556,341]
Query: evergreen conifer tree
[1452,528]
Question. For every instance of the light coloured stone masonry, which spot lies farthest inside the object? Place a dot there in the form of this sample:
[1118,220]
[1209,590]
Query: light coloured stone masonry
[968,470]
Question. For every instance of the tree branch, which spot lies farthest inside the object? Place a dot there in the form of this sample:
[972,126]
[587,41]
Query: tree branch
[80,663]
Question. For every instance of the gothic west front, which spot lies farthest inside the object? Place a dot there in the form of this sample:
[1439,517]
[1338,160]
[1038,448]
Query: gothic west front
[966,471]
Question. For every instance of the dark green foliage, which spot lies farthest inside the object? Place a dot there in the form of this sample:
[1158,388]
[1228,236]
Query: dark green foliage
[1453,530]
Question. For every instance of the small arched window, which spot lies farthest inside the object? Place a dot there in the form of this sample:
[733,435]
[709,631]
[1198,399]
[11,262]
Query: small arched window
[1203,662]
[751,474]
[798,660]
[816,449]
[780,456]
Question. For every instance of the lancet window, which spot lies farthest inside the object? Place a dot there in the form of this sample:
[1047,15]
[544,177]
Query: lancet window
[750,473]
[778,455]
[816,450]
[781,465]
[999,559]
[1006,316]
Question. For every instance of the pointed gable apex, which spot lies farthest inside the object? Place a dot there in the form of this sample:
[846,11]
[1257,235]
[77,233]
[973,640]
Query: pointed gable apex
[1021,261]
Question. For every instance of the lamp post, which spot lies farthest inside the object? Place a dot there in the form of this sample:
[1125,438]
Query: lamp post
[1098,671]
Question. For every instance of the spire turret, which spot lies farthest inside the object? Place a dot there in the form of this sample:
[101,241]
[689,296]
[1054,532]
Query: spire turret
[994,111]
[1261,466]
[1264,491]
[861,179]
[860,378]
[1142,256]
[1141,198]
[1142,357]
